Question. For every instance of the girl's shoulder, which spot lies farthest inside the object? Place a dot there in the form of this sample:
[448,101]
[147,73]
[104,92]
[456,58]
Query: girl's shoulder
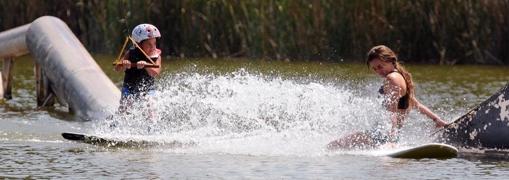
[395,78]
[395,75]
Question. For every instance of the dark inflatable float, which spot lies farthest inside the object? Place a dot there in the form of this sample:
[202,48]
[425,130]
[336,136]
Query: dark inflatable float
[485,126]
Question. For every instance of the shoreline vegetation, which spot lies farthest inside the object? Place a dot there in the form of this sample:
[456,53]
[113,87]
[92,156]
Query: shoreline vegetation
[421,31]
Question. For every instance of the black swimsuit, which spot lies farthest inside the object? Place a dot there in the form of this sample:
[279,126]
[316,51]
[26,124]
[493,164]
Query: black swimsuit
[378,136]
[403,102]
[136,80]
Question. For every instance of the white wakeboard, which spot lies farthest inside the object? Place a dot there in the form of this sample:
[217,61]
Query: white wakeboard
[431,150]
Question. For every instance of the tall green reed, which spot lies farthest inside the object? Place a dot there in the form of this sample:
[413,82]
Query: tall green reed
[421,31]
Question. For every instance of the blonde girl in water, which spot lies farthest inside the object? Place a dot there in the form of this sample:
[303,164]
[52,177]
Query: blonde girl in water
[399,98]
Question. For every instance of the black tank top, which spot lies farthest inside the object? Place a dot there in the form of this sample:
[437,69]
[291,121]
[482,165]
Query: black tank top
[403,102]
[137,80]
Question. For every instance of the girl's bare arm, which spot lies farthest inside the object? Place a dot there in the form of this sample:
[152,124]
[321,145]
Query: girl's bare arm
[426,111]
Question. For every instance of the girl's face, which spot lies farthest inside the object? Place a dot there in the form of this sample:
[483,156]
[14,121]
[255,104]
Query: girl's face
[382,68]
[149,45]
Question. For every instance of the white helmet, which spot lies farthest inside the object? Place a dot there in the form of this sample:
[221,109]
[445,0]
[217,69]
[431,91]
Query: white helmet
[145,31]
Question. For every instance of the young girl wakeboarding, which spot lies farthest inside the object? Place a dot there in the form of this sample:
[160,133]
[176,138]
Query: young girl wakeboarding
[141,64]
[399,99]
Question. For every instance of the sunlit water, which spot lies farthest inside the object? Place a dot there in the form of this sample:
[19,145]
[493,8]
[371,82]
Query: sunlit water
[246,119]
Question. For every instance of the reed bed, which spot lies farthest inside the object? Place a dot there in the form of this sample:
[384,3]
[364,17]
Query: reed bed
[422,31]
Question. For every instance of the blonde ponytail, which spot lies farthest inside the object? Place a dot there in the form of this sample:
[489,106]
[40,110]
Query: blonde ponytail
[386,54]
[410,89]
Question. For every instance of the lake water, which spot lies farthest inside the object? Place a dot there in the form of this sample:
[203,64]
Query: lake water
[247,119]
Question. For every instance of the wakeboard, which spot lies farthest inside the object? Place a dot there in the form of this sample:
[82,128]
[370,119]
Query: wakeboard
[126,143]
[432,150]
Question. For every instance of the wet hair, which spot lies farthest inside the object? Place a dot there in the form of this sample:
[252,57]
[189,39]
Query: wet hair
[386,54]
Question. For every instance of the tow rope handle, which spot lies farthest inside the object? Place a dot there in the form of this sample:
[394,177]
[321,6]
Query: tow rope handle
[117,61]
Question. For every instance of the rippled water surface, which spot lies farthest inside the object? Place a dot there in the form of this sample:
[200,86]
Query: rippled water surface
[246,119]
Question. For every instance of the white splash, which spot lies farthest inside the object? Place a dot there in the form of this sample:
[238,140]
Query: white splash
[255,114]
